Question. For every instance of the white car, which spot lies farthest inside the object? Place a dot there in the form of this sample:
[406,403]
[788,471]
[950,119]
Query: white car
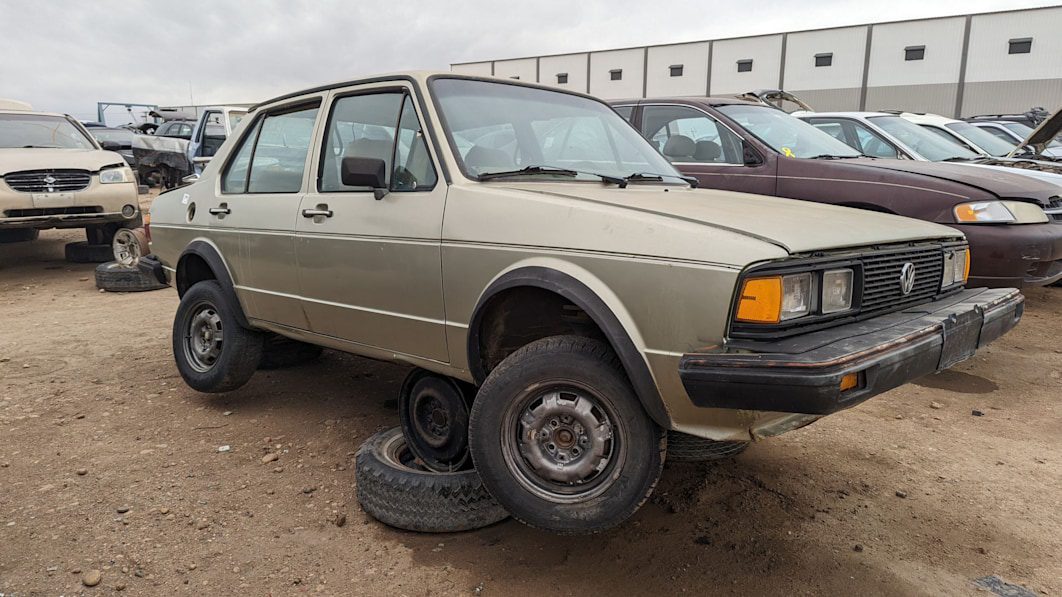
[890,135]
[962,133]
[1017,133]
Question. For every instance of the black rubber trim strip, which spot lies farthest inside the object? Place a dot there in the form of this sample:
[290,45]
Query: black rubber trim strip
[584,298]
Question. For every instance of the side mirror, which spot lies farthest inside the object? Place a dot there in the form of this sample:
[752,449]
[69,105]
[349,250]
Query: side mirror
[749,156]
[365,172]
[110,145]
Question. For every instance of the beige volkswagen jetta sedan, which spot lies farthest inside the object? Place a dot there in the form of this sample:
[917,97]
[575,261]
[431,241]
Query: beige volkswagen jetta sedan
[529,241]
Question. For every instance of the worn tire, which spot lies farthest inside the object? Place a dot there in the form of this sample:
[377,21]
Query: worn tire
[555,370]
[115,277]
[240,348]
[82,252]
[683,447]
[393,489]
[279,352]
[18,235]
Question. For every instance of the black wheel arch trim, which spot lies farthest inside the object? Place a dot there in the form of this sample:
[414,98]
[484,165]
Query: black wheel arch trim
[586,299]
[214,261]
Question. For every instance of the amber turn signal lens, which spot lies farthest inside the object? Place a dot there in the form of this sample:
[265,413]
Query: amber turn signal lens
[761,300]
[849,381]
[966,269]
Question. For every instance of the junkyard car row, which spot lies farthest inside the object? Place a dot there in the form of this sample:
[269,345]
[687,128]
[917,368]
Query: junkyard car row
[579,285]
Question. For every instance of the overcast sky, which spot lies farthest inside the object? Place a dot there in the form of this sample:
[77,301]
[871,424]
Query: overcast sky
[65,55]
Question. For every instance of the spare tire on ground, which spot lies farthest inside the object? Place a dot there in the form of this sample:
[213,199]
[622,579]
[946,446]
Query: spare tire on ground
[82,252]
[398,492]
[115,277]
[683,447]
[279,352]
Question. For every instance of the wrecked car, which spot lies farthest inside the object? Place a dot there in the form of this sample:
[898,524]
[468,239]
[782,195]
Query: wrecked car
[56,175]
[735,144]
[528,242]
[164,159]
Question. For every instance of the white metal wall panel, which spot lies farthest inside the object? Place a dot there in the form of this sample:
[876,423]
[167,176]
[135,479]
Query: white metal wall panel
[631,62]
[988,59]
[523,69]
[478,69]
[848,47]
[766,54]
[574,65]
[942,39]
[694,60]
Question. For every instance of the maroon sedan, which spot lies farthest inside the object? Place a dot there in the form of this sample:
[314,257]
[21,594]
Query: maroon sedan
[739,145]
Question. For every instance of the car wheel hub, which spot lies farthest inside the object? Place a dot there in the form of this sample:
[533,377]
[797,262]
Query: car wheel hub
[203,342]
[566,438]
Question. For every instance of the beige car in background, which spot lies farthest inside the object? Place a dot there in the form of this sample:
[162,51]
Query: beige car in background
[529,241]
[56,175]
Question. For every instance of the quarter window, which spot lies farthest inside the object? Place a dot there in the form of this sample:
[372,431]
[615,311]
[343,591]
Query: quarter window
[690,136]
[272,156]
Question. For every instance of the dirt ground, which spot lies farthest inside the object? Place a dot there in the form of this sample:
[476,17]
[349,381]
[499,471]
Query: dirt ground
[108,462]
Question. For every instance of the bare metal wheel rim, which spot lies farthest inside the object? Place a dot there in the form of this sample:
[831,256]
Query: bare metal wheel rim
[203,337]
[431,419]
[563,442]
[127,249]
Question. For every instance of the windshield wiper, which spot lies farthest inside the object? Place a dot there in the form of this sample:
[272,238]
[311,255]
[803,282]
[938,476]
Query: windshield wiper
[40,147]
[830,156]
[551,170]
[956,159]
[653,177]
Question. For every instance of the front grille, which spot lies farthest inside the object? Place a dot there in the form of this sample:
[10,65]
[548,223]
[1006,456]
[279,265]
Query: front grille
[48,181]
[1054,209]
[52,211]
[881,278]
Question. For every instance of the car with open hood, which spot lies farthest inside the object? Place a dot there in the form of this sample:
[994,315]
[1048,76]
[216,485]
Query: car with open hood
[741,145]
[529,243]
[56,175]
[1040,140]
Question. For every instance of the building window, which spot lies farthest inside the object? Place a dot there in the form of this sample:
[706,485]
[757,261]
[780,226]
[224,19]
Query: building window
[824,59]
[616,74]
[562,78]
[1020,46]
[675,70]
[744,66]
[914,53]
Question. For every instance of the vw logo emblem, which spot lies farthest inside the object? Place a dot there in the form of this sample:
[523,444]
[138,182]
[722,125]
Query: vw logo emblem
[907,278]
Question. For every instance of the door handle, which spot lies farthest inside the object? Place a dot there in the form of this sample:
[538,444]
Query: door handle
[313,213]
[222,210]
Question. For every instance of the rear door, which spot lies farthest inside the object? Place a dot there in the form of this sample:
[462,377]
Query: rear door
[371,269]
[701,146]
[256,207]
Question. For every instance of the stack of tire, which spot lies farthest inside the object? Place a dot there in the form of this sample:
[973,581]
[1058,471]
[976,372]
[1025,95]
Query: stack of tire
[419,476]
[120,269]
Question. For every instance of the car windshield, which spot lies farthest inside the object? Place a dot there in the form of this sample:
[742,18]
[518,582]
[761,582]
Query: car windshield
[1023,130]
[982,138]
[787,134]
[921,141]
[504,128]
[39,130]
[123,136]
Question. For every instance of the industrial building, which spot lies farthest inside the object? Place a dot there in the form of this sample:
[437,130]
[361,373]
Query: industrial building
[960,65]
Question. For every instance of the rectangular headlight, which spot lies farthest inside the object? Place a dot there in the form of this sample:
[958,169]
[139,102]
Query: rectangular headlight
[796,296]
[837,290]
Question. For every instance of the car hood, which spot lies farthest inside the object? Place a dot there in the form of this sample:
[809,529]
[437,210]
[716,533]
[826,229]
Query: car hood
[15,160]
[1001,182]
[1047,130]
[794,225]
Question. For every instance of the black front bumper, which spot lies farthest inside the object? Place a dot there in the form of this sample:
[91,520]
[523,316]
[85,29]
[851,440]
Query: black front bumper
[803,374]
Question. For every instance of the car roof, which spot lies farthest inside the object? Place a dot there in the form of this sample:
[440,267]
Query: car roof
[924,118]
[33,112]
[850,114]
[419,76]
[710,100]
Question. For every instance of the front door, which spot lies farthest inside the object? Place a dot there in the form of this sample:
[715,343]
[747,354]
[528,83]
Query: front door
[260,192]
[370,265]
[701,146]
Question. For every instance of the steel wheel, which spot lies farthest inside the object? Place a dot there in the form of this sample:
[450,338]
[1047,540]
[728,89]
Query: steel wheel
[563,443]
[203,339]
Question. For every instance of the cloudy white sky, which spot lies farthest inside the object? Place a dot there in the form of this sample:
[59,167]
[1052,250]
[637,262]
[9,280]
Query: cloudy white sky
[65,55]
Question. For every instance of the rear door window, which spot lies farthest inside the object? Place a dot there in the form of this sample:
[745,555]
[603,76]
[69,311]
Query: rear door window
[272,157]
